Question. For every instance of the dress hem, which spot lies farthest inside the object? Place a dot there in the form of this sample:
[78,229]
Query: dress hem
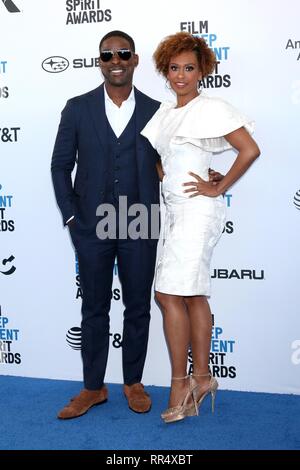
[181,294]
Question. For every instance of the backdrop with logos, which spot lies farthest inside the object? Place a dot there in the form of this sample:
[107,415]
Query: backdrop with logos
[48,54]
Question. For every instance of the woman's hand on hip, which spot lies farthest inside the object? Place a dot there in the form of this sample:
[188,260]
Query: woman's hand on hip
[201,187]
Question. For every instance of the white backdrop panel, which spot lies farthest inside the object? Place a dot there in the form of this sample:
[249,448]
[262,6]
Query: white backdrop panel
[255,299]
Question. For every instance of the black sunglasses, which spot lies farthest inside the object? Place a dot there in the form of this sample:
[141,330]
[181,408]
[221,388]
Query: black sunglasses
[124,54]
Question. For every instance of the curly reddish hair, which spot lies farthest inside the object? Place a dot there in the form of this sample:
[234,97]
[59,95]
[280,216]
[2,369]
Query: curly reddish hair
[184,42]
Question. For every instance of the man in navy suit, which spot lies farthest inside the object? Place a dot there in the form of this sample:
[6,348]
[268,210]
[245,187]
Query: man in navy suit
[100,131]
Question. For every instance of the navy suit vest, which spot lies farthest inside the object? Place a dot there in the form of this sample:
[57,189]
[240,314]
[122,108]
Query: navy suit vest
[122,177]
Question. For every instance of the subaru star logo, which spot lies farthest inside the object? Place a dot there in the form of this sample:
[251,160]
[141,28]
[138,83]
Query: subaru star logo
[55,64]
[297,199]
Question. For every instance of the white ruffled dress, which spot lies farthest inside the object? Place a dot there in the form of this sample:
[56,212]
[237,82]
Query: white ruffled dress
[186,138]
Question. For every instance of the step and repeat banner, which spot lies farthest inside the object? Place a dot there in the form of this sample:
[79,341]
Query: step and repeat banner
[48,54]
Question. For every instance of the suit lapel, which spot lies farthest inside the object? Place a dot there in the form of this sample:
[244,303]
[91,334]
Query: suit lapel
[140,122]
[141,119]
[96,108]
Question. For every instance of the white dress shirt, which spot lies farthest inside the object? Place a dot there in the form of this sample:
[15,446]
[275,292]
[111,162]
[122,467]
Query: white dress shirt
[119,117]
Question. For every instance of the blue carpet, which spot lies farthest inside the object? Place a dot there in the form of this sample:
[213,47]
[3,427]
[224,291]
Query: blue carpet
[242,421]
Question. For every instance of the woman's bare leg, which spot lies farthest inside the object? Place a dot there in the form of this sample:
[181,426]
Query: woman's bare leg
[200,334]
[177,334]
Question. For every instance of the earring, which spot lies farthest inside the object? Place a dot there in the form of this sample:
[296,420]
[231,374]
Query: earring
[167,84]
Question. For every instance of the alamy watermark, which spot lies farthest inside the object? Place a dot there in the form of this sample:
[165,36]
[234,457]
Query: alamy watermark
[128,221]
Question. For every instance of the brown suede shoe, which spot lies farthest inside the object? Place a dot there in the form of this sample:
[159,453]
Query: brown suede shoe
[138,400]
[80,404]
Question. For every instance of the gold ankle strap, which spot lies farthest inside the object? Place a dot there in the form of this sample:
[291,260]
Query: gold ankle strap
[180,378]
[202,375]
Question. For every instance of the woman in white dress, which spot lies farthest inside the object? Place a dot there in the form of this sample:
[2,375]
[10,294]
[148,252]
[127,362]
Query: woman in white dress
[186,134]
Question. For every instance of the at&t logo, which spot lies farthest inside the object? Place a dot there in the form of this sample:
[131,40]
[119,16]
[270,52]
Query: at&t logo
[9,134]
[297,199]
[73,338]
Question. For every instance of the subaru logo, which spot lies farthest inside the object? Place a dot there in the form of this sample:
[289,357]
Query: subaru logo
[55,64]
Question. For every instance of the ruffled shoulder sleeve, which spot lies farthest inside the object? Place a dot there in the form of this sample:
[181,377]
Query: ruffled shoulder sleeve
[152,128]
[207,121]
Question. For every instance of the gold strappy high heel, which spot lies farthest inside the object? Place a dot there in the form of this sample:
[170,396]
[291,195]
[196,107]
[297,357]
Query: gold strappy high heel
[212,389]
[169,411]
[179,412]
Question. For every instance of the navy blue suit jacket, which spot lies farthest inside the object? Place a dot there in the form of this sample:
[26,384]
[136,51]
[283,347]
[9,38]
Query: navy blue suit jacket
[81,139]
